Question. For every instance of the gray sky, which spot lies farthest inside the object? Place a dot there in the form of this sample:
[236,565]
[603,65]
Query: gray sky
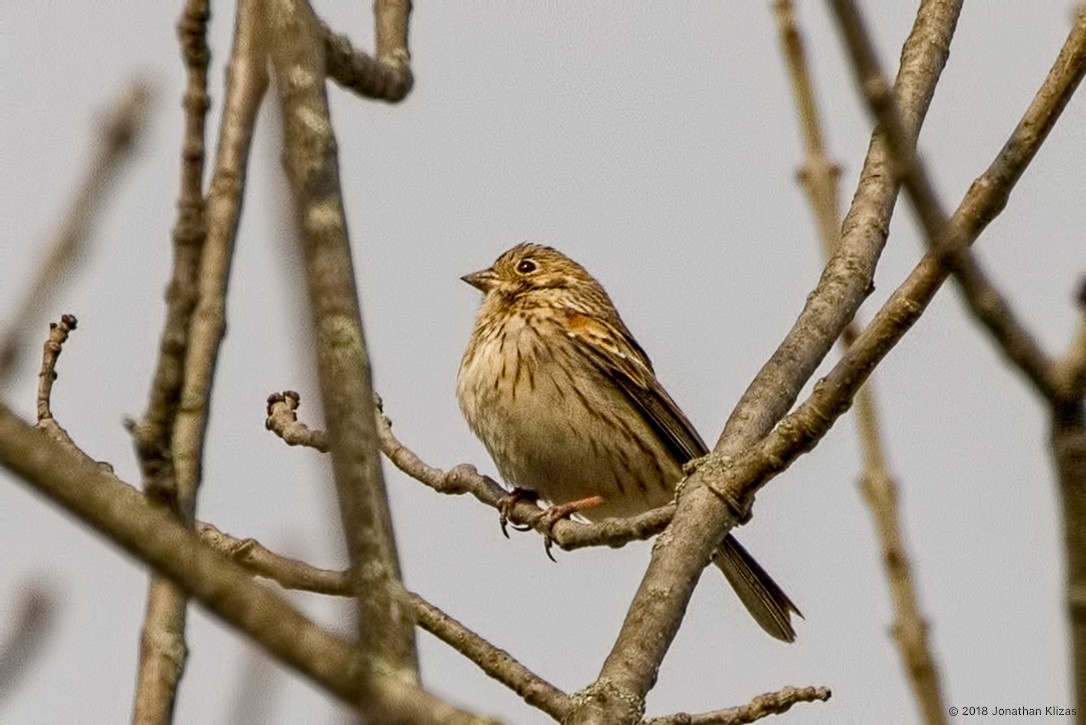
[658,147]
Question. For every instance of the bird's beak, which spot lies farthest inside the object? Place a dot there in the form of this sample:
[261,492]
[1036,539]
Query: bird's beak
[484,280]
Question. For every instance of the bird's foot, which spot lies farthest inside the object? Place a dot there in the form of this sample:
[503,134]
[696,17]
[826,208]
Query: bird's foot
[553,514]
[506,504]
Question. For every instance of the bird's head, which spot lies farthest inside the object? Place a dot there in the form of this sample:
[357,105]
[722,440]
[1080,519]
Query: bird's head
[529,268]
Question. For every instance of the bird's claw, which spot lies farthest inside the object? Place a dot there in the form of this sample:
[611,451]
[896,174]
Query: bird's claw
[551,516]
[507,503]
[547,520]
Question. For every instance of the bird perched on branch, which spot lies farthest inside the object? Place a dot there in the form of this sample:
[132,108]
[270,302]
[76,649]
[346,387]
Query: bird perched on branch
[569,407]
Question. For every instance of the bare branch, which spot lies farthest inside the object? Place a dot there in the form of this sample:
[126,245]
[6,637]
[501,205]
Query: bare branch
[910,629]
[169,439]
[949,239]
[118,134]
[770,703]
[847,278]
[819,177]
[950,244]
[819,173]
[495,662]
[358,72]
[283,421]
[246,83]
[153,433]
[700,520]
[294,574]
[93,494]
[386,78]
[162,646]
[386,631]
[1069,454]
[58,335]
[986,198]
[288,573]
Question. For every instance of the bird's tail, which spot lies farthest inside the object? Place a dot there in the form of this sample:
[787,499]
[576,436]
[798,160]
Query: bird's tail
[766,602]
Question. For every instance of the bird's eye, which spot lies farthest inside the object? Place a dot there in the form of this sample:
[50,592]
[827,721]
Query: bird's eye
[526,266]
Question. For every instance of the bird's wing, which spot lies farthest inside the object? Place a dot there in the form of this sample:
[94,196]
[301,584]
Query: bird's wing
[614,351]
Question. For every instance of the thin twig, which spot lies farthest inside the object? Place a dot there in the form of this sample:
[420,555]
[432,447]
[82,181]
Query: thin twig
[246,83]
[1068,442]
[910,628]
[386,78]
[47,423]
[769,703]
[354,70]
[847,278]
[495,662]
[949,243]
[295,574]
[162,645]
[58,335]
[819,173]
[283,421]
[819,177]
[153,432]
[118,135]
[170,438]
[288,573]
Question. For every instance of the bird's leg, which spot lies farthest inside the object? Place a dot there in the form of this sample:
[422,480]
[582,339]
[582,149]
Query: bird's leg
[506,504]
[553,514]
